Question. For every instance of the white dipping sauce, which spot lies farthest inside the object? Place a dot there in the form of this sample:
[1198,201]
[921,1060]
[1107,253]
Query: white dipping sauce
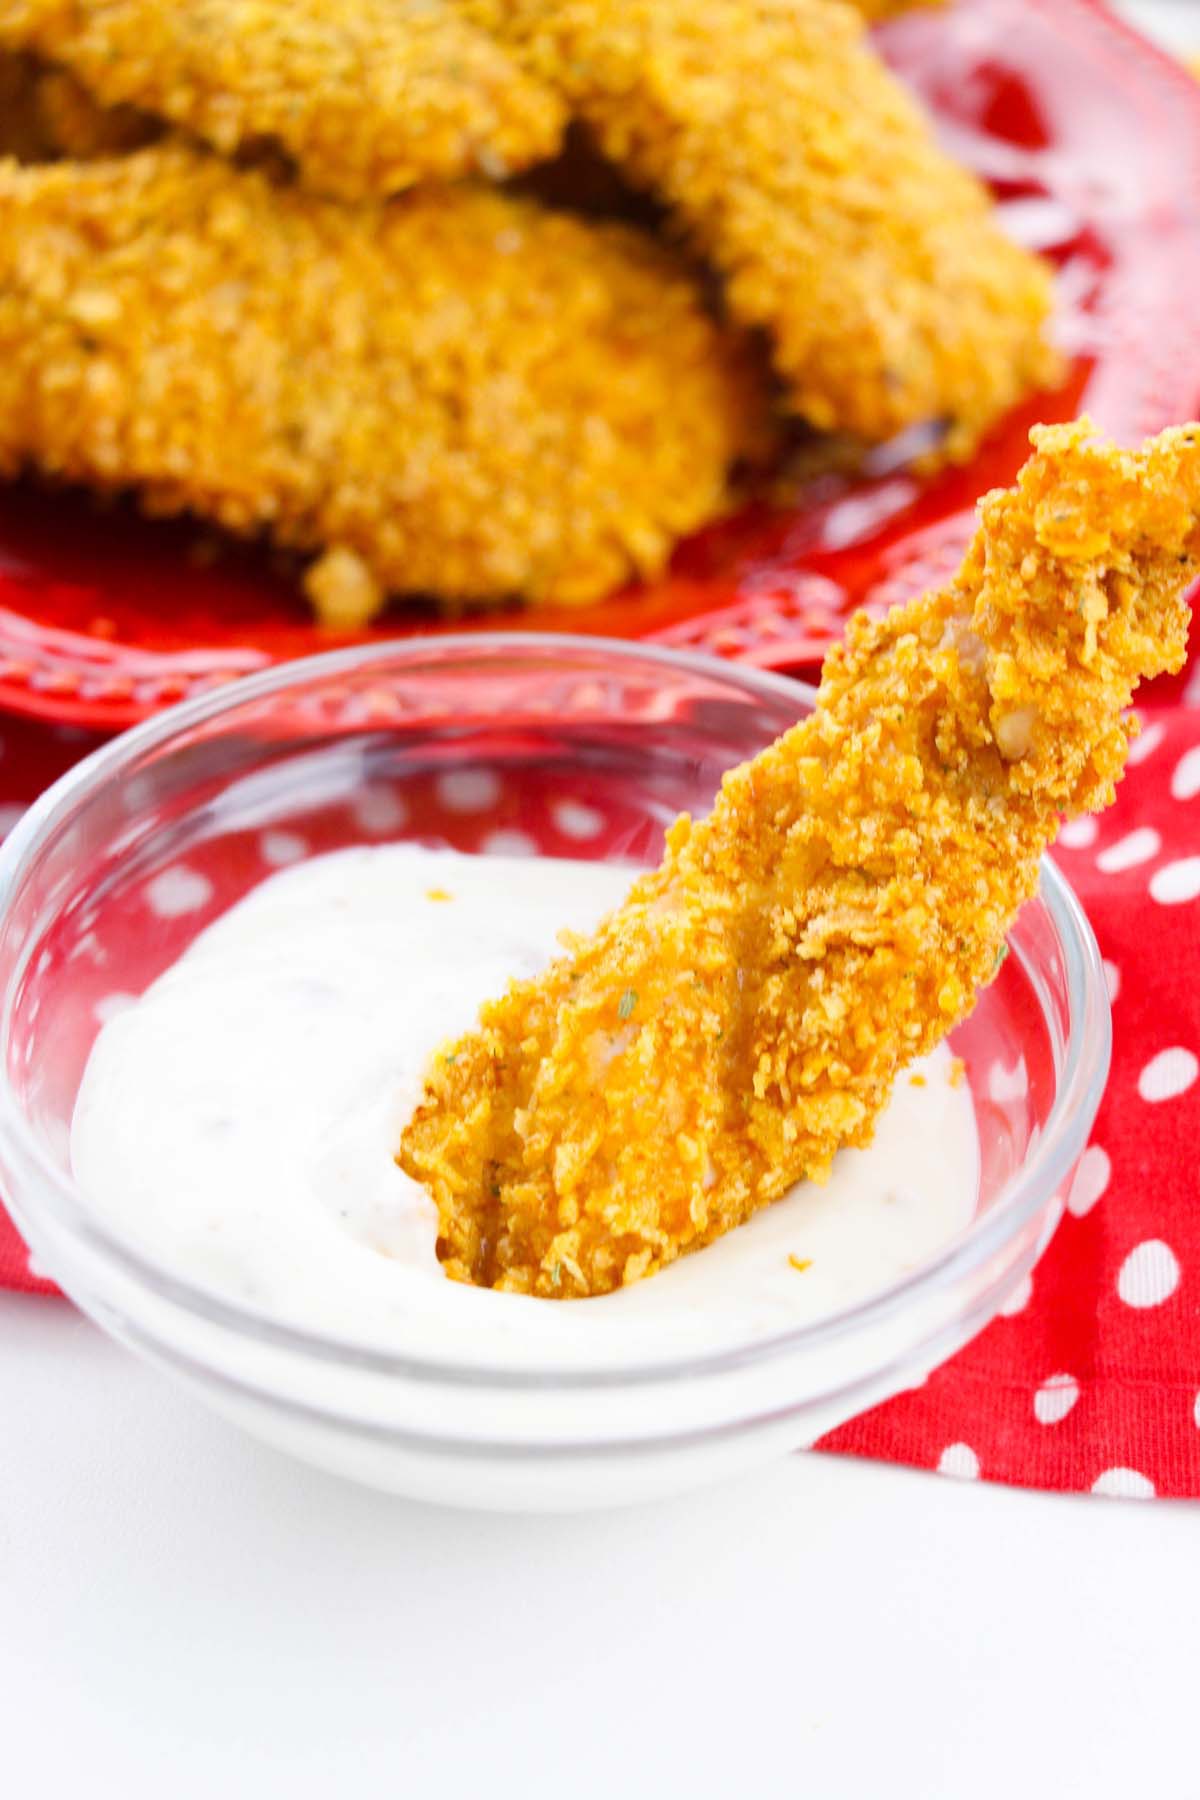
[238,1124]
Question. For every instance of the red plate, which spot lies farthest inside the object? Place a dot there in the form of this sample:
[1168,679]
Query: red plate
[1091,140]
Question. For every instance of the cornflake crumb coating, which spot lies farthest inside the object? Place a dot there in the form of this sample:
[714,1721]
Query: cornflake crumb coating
[368,97]
[799,167]
[22,130]
[887,9]
[77,125]
[473,397]
[44,112]
[746,1011]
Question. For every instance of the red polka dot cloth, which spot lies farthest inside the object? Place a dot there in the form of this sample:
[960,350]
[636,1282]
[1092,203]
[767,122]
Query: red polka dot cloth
[1090,1380]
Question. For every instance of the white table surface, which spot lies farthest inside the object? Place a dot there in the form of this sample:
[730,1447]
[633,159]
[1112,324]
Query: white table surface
[183,1613]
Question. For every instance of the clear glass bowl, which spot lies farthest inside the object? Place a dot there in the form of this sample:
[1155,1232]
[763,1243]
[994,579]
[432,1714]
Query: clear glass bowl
[343,749]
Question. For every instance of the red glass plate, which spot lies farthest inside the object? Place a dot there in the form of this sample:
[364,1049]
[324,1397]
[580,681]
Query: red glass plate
[1091,140]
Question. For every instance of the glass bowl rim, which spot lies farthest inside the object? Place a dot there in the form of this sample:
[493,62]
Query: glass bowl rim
[1084,1073]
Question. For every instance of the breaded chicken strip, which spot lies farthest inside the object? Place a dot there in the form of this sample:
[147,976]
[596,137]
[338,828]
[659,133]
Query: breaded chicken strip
[22,130]
[77,125]
[887,9]
[746,1012]
[801,170]
[458,393]
[368,97]
[44,112]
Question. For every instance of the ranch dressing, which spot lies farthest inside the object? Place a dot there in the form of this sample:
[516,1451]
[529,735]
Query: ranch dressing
[238,1125]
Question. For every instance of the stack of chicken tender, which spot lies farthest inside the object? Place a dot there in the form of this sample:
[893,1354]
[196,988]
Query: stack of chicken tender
[335,272]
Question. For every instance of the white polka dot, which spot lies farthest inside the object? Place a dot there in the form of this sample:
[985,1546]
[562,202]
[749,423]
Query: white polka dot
[1055,1398]
[177,891]
[137,794]
[1112,981]
[1147,743]
[89,947]
[1008,1084]
[1169,1073]
[1129,851]
[508,843]
[1176,882]
[1092,1176]
[112,1004]
[468,790]
[577,820]
[9,816]
[1019,1299]
[1078,834]
[279,848]
[1149,1275]
[960,1461]
[1123,1484]
[378,811]
[1196,1412]
[1185,781]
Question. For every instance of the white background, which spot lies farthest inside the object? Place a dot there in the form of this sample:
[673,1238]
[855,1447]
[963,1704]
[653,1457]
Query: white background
[185,1614]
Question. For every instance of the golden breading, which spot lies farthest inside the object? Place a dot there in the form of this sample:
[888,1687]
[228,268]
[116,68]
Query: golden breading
[801,170]
[887,9]
[77,125]
[22,129]
[367,98]
[747,1010]
[44,112]
[473,397]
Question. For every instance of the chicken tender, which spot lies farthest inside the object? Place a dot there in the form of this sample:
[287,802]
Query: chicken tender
[887,9]
[22,130]
[77,125]
[747,1010]
[44,112]
[800,169]
[367,98]
[456,394]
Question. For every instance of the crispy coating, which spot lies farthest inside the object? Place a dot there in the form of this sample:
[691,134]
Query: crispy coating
[475,397]
[44,112]
[367,98]
[801,170]
[747,1010]
[77,125]
[22,130]
[887,9]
